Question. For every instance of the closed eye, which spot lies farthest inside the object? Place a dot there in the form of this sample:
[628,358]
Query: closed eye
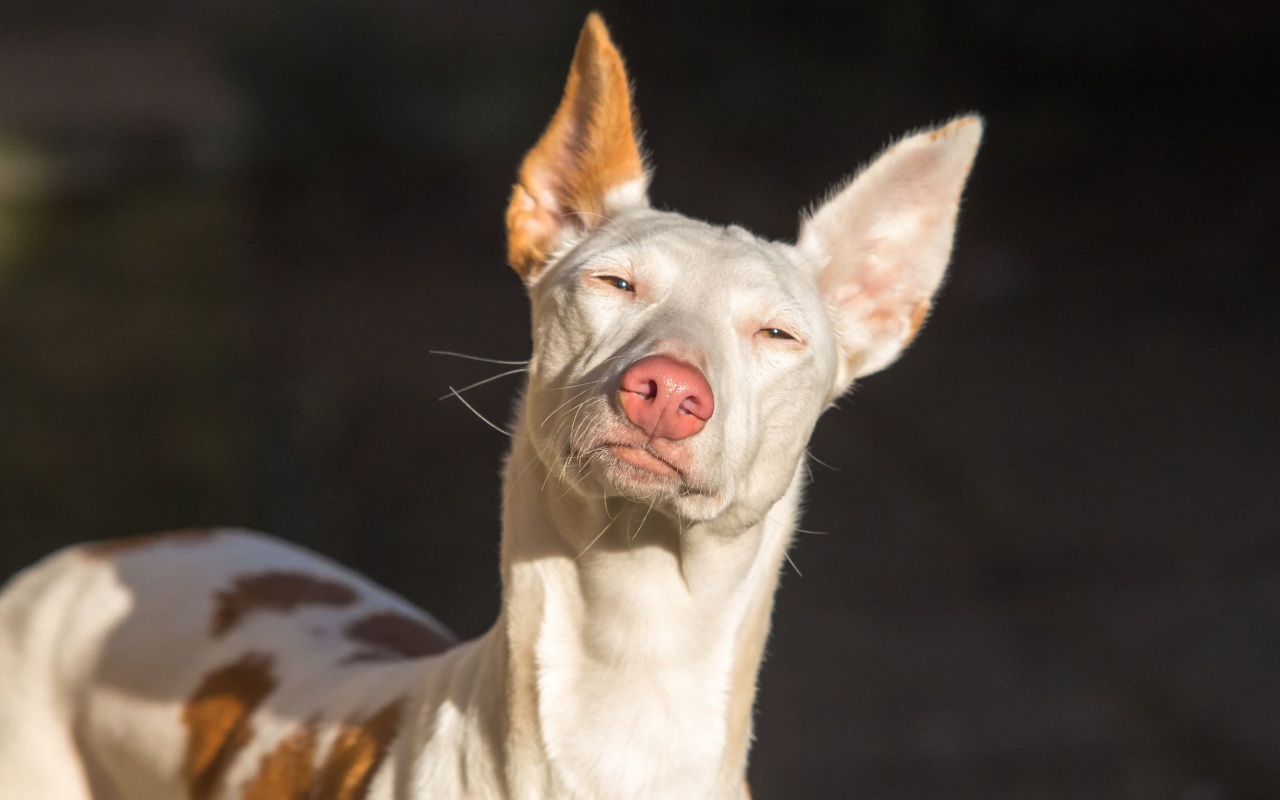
[618,283]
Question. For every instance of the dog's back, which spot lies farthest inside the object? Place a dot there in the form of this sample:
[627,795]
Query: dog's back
[172,645]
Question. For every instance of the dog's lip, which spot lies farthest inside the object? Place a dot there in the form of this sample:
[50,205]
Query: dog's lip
[643,458]
[660,470]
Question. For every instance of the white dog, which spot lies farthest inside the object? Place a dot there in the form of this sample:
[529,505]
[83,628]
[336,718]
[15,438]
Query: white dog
[678,370]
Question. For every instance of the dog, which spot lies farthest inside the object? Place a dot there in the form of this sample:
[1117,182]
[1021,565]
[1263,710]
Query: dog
[656,470]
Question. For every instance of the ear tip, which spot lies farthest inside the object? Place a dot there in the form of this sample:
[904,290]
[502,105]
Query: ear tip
[974,124]
[966,127]
[961,136]
[596,54]
[595,31]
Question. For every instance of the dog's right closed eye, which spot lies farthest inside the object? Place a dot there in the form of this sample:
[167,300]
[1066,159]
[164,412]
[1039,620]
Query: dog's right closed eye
[617,283]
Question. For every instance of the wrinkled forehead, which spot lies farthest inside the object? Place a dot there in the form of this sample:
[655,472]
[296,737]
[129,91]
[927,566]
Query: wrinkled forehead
[677,251]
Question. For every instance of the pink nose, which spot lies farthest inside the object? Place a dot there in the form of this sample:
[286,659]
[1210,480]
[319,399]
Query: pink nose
[665,398]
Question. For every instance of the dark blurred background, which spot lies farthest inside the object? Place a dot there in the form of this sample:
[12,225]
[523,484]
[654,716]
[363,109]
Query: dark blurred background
[230,232]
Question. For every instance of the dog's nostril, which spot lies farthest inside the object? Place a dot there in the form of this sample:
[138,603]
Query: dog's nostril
[650,390]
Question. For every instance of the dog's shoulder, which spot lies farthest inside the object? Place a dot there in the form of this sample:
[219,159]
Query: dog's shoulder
[243,653]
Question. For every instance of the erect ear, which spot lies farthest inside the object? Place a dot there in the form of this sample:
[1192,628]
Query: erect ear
[587,165]
[883,242]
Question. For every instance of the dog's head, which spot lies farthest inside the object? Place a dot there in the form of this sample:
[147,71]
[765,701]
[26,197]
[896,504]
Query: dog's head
[684,363]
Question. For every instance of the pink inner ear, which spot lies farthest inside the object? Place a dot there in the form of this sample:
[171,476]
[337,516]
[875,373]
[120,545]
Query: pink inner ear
[550,177]
[887,239]
[540,193]
[536,205]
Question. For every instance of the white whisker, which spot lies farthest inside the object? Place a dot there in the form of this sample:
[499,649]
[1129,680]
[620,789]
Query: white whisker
[562,405]
[586,473]
[570,386]
[792,526]
[598,535]
[792,563]
[483,382]
[476,358]
[820,461]
[644,519]
[561,464]
[526,467]
[481,417]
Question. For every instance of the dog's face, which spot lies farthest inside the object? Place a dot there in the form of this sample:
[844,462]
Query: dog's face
[684,364]
[743,312]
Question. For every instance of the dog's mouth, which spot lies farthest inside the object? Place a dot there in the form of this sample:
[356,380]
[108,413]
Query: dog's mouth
[630,460]
[592,449]
[639,467]
[643,458]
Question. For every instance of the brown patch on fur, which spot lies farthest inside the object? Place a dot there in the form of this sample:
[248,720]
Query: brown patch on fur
[589,148]
[218,720]
[277,591]
[109,548]
[290,772]
[918,315]
[393,635]
[356,753]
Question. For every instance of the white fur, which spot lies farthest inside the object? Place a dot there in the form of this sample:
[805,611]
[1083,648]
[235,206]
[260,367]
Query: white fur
[630,602]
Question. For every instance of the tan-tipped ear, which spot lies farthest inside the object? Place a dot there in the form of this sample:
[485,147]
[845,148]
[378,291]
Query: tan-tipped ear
[884,241]
[587,164]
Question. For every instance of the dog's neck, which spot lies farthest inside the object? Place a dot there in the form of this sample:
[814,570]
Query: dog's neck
[632,646]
